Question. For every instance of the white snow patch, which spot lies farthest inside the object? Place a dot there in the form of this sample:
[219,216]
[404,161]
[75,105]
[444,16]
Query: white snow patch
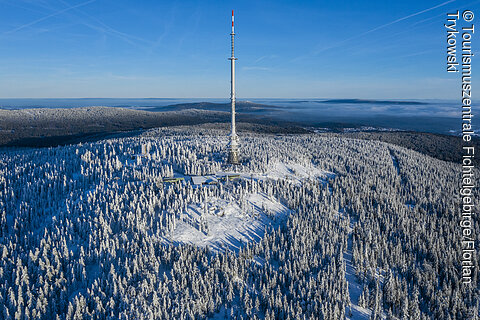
[221,223]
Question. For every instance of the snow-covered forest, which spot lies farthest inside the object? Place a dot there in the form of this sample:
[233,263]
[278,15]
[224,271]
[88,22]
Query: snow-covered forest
[88,231]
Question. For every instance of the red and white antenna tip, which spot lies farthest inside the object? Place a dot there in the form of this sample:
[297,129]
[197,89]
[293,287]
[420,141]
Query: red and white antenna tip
[232,19]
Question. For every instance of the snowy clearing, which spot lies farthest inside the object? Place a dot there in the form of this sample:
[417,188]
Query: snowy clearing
[221,224]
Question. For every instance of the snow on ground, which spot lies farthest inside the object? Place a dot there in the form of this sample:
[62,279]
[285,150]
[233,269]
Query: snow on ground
[395,161]
[354,287]
[292,171]
[224,223]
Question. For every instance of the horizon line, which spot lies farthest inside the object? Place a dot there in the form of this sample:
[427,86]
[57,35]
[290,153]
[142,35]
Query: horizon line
[226,98]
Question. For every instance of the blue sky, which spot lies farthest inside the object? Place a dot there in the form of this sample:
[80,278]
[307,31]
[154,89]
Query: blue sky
[285,49]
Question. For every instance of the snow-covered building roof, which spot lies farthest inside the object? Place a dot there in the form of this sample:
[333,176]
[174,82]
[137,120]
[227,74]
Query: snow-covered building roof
[199,180]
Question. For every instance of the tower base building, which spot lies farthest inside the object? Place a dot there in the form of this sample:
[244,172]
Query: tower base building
[233,153]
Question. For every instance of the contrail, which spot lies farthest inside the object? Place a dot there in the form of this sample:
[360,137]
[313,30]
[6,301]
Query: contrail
[385,25]
[49,16]
[406,17]
[102,27]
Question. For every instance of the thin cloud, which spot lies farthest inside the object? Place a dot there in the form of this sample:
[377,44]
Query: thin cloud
[405,18]
[255,68]
[48,17]
[271,56]
[378,28]
[443,14]
[100,26]
[417,54]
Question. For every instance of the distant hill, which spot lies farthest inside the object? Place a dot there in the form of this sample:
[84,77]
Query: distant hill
[50,127]
[45,127]
[397,102]
[240,106]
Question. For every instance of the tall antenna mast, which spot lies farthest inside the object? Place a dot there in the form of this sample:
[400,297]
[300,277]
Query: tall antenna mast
[233,157]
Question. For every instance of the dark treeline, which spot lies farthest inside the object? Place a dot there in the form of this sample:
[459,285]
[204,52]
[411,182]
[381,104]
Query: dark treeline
[443,147]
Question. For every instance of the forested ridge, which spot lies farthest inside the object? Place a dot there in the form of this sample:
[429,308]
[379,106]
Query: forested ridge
[84,232]
[443,147]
